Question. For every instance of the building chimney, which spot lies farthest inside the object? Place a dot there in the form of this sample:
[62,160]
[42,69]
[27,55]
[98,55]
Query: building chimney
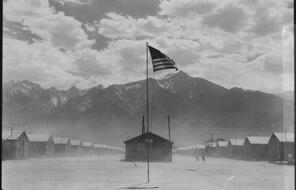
[11,131]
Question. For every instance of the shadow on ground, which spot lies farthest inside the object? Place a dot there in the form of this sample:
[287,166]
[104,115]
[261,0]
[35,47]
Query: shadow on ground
[144,185]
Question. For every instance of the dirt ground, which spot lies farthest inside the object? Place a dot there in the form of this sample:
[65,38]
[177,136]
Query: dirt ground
[109,172]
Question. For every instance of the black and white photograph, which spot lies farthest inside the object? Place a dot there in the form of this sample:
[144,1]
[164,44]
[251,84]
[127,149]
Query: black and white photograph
[148,94]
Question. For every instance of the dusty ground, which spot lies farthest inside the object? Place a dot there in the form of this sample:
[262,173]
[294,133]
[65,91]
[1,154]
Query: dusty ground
[108,172]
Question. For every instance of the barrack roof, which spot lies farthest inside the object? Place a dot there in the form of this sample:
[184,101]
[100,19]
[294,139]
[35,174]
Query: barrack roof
[38,137]
[237,142]
[151,135]
[200,146]
[75,142]
[258,140]
[222,143]
[98,146]
[87,144]
[282,137]
[6,135]
[60,140]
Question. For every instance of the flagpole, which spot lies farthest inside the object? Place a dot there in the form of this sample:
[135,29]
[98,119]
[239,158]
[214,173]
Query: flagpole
[169,127]
[147,112]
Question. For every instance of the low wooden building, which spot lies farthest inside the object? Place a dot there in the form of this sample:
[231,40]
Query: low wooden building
[97,148]
[86,147]
[222,148]
[75,146]
[201,148]
[40,145]
[211,146]
[62,145]
[198,149]
[160,149]
[256,148]
[281,145]
[104,148]
[235,148]
[183,150]
[14,145]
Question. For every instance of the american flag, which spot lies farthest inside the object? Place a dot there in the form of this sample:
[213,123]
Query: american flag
[160,60]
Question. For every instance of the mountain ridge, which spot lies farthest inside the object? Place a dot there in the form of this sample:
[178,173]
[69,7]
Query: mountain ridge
[195,105]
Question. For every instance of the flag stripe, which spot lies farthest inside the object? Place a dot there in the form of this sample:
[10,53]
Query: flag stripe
[164,64]
[161,59]
[170,61]
[171,67]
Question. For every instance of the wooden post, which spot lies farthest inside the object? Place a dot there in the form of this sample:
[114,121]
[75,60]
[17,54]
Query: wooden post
[143,124]
[211,140]
[169,127]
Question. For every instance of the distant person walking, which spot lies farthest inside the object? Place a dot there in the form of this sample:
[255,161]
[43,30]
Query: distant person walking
[196,157]
[203,157]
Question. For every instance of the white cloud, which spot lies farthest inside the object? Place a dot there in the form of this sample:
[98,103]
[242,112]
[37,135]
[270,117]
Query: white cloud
[265,24]
[230,19]
[259,17]
[117,26]
[90,27]
[122,61]
[79,1]
[198,35]
[274,61]
[184,52]
[40,62]
[185,8]
[60,30]
[288,58]
[230,72]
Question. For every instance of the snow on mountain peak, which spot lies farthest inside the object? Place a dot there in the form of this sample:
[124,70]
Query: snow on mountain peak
[169,81]
[54,100]
[133,87]
[25,87]
[167,76]
[176,74]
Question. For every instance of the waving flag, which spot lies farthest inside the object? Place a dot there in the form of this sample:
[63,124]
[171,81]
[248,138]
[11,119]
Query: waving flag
[160,60]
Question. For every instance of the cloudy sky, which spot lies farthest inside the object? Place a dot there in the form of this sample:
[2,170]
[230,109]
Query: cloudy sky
[84,43]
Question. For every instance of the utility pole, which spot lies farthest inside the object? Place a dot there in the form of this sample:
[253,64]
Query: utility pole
[211,140]
[169,126]
[143,124]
